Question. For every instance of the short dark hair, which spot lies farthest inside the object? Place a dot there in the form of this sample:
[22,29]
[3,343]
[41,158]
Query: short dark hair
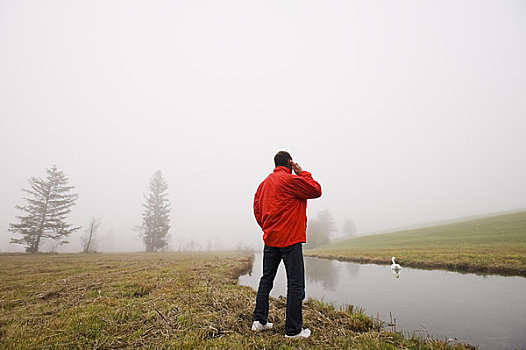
[282,158]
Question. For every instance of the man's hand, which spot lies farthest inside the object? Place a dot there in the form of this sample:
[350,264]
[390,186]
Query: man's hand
[297,169]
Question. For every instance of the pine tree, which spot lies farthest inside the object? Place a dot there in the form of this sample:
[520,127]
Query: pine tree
[156,217]
[316,235]
[326,221]
[349,228]
[47,206]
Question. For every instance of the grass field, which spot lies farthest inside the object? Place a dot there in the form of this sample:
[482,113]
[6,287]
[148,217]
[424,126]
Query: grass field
[161,301]
[490,245]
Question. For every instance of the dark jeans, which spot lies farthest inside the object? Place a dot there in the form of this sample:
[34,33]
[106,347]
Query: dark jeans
[292,257]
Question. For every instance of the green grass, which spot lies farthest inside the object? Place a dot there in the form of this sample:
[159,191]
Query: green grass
[161,301]
[489,245]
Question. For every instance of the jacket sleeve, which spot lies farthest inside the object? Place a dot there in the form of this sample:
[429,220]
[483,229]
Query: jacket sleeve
[304,186]
[257,209]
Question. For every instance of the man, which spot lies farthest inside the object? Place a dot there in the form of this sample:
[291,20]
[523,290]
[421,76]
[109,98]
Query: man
[280,208]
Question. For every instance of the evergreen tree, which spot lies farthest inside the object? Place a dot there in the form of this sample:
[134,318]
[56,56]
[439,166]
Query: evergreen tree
[47,206]
[320,229]
[156,217]
[326,221]
[349,228]
[316,235]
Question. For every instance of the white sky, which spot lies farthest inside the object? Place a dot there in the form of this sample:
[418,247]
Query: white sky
[405,111]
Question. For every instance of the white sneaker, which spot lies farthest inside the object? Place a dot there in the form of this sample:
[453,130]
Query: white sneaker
[305,333]
[258,327]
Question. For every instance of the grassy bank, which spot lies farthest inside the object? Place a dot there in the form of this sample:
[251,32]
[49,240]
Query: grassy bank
[160,301]
[490,245]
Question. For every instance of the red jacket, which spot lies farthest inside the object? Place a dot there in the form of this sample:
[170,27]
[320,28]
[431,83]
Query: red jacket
[280,206]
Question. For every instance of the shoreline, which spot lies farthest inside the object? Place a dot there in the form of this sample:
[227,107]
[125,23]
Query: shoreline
[459,267]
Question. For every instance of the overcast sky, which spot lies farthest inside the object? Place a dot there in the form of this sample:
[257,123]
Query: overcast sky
[406,112]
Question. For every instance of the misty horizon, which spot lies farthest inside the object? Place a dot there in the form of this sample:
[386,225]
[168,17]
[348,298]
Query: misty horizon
[405,114]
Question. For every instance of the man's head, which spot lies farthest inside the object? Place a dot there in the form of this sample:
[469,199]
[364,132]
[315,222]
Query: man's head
[283,158]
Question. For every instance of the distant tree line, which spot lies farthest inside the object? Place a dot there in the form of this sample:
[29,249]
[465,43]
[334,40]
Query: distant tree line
[48,202]
[321,228]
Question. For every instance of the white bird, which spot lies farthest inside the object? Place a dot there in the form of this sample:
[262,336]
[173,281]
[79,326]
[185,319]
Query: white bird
[395,266]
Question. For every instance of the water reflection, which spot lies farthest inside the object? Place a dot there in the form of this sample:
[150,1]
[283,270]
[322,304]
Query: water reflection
[442,304]
[322,271]
[396,273]
[353,269]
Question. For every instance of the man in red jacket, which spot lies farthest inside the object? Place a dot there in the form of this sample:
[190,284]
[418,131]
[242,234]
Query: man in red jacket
[280,206]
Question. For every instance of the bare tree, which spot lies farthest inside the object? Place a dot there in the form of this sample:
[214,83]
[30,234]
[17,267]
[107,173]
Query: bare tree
[47,206]
[191,245]
[179,244]
[90,238]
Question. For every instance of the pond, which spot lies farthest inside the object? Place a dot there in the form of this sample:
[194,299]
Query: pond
[488,311]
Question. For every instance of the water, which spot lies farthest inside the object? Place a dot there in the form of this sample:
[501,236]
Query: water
[488,311]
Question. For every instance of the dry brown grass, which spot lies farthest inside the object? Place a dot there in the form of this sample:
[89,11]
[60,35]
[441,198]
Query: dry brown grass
[160,301]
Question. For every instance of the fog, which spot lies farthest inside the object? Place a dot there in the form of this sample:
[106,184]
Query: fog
[406,112]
